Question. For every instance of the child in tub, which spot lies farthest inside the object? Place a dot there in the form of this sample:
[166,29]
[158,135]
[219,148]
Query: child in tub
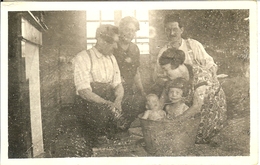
[153,111]
[176,90]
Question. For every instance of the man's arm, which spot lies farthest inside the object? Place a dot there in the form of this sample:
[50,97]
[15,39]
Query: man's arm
[82,68]
[88,95]
[119,93]
[202,56]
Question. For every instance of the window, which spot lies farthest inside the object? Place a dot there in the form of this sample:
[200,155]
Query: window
[95,18]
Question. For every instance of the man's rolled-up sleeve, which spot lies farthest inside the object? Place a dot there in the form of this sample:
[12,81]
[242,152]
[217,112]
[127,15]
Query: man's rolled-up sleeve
[202,56]
[81,73]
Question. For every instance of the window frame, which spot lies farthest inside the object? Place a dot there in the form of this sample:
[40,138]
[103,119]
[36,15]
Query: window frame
[119,13]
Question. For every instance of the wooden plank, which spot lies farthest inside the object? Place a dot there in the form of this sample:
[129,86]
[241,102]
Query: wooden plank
[29,32]
[31,53]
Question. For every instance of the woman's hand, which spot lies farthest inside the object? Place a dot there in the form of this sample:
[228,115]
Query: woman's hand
[198,99]
[199,94]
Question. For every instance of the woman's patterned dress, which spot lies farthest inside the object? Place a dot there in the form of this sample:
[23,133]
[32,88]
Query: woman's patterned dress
[213,110]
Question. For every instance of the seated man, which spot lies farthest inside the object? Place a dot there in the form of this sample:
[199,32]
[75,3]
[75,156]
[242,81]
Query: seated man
[98,84]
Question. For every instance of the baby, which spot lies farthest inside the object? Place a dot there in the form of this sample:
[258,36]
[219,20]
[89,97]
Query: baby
[176,89]
[153,111]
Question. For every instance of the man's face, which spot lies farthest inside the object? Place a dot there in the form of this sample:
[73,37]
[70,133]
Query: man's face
[109,46]
[173,31]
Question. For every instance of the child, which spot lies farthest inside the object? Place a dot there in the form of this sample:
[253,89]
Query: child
[153,111]
[176,89]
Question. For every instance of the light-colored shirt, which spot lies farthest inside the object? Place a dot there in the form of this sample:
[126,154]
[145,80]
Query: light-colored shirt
[200,56]
[97,68]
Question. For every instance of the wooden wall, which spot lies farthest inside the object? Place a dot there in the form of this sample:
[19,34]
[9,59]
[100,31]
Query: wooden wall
[65,37]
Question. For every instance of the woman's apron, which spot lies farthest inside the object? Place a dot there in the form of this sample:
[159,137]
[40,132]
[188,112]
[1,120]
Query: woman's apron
[97,119]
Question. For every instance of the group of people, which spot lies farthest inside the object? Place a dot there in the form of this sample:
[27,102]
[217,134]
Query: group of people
[110,94]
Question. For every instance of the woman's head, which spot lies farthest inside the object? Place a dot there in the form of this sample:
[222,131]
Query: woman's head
[127,28]
[177,89]
[170,61]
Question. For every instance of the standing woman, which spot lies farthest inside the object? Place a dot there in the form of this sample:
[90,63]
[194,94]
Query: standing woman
[128,59]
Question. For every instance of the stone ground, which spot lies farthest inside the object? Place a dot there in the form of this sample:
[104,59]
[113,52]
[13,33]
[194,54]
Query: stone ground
[234,140]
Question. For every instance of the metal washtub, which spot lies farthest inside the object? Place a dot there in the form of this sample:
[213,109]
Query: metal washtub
[169,137]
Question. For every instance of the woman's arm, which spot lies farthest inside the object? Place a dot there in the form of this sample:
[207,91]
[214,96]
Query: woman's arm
[198,100]
[162,99]
[138,82]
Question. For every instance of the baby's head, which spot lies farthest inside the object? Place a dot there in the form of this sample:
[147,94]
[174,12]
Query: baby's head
[152,102]
[177,89]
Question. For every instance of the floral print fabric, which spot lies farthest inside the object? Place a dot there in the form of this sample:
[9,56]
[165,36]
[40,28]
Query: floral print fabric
[213,110]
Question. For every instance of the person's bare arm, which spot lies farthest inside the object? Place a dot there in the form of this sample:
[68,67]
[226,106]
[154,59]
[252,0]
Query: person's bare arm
[162,99]
[90,96]
[138,82]
[198,100]
[146,114]
[119,93]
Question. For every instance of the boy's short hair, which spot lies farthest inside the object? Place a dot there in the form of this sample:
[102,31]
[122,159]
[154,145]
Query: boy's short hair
[180,83]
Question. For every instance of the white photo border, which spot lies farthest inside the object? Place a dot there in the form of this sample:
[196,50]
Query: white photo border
[153,5]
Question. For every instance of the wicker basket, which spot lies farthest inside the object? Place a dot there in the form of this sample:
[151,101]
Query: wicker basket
[169,137]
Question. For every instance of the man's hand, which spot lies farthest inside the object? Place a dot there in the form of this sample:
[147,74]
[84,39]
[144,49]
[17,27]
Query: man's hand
[117,104]
[110,105]
[115,108]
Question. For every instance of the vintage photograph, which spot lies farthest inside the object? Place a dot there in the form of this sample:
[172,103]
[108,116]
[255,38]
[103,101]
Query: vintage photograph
[130,82]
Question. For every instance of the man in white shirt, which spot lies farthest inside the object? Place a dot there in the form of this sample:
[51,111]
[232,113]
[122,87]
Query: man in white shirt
[195,53]
[98,83]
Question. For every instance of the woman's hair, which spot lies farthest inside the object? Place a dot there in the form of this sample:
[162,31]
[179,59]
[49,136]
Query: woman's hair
[180,83]
[172,56]
[126,20]
[173,18]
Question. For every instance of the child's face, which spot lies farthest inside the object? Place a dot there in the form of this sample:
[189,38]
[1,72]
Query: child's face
[175,95]
[152,103]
